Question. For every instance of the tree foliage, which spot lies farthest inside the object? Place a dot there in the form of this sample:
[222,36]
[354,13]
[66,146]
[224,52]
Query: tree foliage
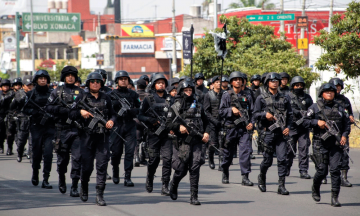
[55,75]
[342,44]
[4,76]
[252,49]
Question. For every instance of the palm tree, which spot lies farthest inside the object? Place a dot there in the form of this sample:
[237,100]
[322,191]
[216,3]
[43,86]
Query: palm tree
[252,3]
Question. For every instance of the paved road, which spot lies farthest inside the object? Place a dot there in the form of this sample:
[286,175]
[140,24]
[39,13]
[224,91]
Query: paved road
[19,197]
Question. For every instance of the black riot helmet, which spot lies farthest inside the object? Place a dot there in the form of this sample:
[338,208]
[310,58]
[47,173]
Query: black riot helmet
[41,73]
[55,83]
[244,76]
[187,83]
[102,72]
[214,79]
[152,76]
[296,79]
[145,77]
[174,80]
[17,81]
[337,81]
[183,78]
[255,77]
[225,78]
[78,80]
[121,73]
[68,70]
[284,75]
[157,77]
[272,76]
[27,80]
[94,76]
[109,83]
[199,76]
[236,74]
[5,82]
[263,77]
[327,87]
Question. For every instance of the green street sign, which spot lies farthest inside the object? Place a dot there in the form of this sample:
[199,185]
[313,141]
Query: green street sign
[270,17]
[52,22]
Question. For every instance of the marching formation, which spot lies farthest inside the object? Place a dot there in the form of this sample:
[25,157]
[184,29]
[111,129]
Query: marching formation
[180,122]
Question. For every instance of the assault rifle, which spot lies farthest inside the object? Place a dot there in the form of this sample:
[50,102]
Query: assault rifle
[191,128]
[303,115]
[98,117]
[46,115]
[161,119]
[125,105]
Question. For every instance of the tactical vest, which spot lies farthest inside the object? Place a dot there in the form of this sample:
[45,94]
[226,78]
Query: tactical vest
[278,104]
[333,114]
[69,98]
[160,108]
[100,105]
[298,103]
[142,94]
[214,102]
[241,102]
[192,115]
[340,99]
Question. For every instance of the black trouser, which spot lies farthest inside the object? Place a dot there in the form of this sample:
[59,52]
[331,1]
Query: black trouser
[303,140]
[22,136]
[63,154]
[139,138]
[94,146]
[10,131]
[214,139]
[345,160]
[329,155]
[2,131]
[192,165]
[274,142]
[42,146]
[128,132]
[160,145]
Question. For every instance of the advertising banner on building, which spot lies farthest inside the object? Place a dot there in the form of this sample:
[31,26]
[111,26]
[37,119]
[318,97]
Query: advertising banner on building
[137,31]
[137,47]
[187,41]
[9,44]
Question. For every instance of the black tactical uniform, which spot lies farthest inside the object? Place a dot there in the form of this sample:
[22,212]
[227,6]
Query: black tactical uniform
[11,121]
[42,129]
[253,87]
[66,138]
[285,90]
[300,102]
[127,130]
[274,141]
[5,100]
[345,103]
[104,88]
[187,151]
[211,108]
[153,110]
[327,150]
[202,87]
[94,138]
[261,89]
[23,120]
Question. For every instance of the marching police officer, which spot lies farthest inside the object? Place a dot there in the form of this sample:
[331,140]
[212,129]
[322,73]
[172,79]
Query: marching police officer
[126,101]
[236,104]
[78,82]
[328,149]
[225,83]
[199,82]
[255,82]
[42,127]
[285,78]
[95,135]
[66,138]
[103,73]
[345,103]
[261,88]
[174,82]
[187,120]
[273,107]
[211,107]
[23,120]
[153,112]
[300,102]
[6,95]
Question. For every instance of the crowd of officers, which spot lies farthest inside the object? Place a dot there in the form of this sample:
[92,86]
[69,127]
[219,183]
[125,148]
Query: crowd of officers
[179,121]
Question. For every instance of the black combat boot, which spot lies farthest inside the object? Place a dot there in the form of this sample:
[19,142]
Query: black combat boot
[246,181]
[137,160]
[316,192]
[74,188]
[334,198]
[225,177]
[194,197]
[324,181]
[62,183]
[127,180]
[165,188]
[2,148]
[35,177]
[304,175]
[108,177]
[84,190]
[45,183]
[262,182]
[100,195]
[282,190]
[116,178]
[344,181]
[149,183]
[9,151]
[211,160]
[173,190]
[19,159]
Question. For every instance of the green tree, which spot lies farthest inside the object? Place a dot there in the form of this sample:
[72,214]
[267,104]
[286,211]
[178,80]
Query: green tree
[55,75]
[252,3]
[4,76]
[252,49]
[342,44]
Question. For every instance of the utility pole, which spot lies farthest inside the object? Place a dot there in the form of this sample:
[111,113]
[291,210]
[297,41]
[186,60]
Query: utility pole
[215,14]
[331,13]
[99,36]
[17,44]
[32,36]
[174,59]
[302,34]
[282,22]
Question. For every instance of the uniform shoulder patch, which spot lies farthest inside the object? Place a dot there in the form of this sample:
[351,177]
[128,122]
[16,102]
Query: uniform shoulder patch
[51,98]
[310,112]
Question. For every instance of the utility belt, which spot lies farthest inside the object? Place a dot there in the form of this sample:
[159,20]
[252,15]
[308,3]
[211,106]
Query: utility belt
[63,126]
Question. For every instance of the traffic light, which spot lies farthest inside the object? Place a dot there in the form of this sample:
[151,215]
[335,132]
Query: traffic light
[112,37]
